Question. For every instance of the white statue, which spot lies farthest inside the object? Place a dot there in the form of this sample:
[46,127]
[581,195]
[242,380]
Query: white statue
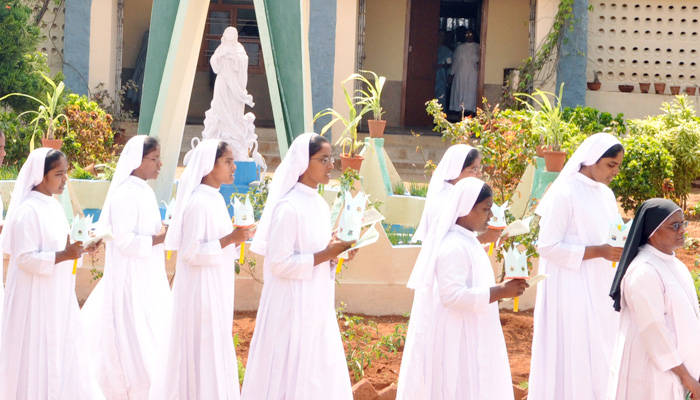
[226,119]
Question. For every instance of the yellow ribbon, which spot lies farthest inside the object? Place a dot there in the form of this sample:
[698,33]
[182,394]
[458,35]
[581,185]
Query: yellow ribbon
[75,266]
[516,300]
[491,248]
[614,264]
[169,254]
[242,253]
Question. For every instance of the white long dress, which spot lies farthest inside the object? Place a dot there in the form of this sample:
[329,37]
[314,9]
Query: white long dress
[200,363]
[42,351]
[296,351]
[659,325]
[465,68]
[126,314]
[575,325]
[463,352]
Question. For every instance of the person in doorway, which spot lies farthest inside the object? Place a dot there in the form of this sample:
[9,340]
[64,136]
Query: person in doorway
[455,347]
[464,72]
[126,314]
[444,60]
[657,355]
[296,351]
[42,352]
[199,357]
[574,325]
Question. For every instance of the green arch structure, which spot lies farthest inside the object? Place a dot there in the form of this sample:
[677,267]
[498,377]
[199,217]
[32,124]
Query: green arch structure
[176,31]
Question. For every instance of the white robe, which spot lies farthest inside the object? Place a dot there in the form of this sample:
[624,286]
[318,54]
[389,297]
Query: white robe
[465,68]
[461,353]
[296,351]
[42,351]
[199,360]
[125,316]
[659,328]
[575,324]
[2,271]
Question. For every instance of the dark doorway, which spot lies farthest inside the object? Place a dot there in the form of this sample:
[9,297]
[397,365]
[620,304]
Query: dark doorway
[424,20]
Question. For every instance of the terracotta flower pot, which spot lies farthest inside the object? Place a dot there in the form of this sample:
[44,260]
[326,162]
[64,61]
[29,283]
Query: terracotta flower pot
[644,87]
[52,143]
[675,90]
[690,90]
[540,151]
[659,88]
[376,128]
[593,85]
[350,162]
[554,160]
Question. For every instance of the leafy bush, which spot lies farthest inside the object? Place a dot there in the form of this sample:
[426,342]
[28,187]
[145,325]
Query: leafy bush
[90,139]
[590,121]
[9,173]
[18,134]
[79,173]
[418,189]
[646,171]
[20,62]
[679,130]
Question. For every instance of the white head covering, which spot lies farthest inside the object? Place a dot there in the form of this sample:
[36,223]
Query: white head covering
[31,174]
[449,168]
[129,160]
[201,164]
[588,153]
[286,176]
[458,204]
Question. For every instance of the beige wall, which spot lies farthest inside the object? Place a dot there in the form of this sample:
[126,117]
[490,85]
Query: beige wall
[345,49]
[506,38]
[103,44]
[137,19]
[385,33]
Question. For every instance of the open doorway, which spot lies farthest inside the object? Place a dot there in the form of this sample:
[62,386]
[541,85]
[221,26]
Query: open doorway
[432,32]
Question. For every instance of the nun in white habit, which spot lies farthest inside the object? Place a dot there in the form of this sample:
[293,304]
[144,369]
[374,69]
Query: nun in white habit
[199,359]
[296,351]
[125,315]
[657,354]
[455,347]
[2,285]
[574,325]
[42,350]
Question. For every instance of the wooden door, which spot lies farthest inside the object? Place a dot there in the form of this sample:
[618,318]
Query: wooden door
[420,56]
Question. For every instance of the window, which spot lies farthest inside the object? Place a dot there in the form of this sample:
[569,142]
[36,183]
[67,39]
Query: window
[241,15]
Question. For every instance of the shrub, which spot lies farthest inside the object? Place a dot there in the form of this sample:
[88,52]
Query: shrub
[679,130]
[20,62]
[590,121]
[646,171]
[90,139]
[18,134]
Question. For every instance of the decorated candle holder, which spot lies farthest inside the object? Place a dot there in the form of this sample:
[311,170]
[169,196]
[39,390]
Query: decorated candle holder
[80,232]
[168,218]
[498,221]
[243,217]
[350,222]
[618,232]
[516,268]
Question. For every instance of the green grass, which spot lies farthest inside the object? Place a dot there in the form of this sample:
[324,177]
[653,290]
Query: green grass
[418,189]
[399,188]
[9,173]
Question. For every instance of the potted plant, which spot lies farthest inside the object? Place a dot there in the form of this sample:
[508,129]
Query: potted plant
[690,90]
[675,90]
[47,114]
[659,87]
[644,87]
[370,97]
[595,85]
[349,157]
[548,122]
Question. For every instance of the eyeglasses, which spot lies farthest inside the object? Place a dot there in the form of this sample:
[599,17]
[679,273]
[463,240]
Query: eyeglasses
[676,226]
[476,170]
[325,160]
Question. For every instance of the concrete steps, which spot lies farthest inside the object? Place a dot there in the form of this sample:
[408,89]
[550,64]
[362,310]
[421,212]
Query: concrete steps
[402,149]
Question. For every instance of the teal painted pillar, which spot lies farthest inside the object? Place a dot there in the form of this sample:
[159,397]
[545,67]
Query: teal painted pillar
[161,31]
[284,40]
[571,68]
